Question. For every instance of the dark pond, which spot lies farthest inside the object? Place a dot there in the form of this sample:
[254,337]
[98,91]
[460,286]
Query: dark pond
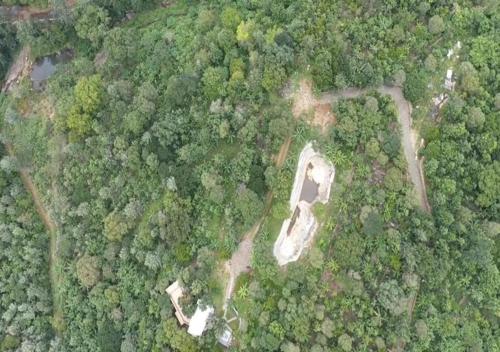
[45,67]
[310,189]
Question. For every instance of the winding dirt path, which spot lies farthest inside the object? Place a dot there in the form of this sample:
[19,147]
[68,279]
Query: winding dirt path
[241,260]
[409,136]
[51,227]
[19,68]
[16,72]
[26,13]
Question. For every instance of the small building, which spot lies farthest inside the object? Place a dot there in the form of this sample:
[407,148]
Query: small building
[198,321]
[175,293]
[448,82]
[226,338]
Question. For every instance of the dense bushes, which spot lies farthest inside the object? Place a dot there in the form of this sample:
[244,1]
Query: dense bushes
[8,44]
[173,119]
[25,297]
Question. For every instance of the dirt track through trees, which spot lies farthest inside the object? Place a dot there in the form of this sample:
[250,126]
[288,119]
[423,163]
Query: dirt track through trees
[18,69]
[32,13]
[16,72]
[408,135]
[241,260]
[303,102]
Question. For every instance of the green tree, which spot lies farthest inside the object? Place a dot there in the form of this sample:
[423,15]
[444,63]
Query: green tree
[391,297]
[394,179]
[436,24]
[89,93]
[489,179]
[230,18]
[214,81]
[468,78]
[476,118]
[115,226]
[345,342]
[78,122]
[180,90]
[273,77]
[373,224]
[244,32]
[92,23]
[87,270]
[415,87]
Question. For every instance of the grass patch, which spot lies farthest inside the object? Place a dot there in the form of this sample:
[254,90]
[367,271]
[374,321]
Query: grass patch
[218,284]
[160,14]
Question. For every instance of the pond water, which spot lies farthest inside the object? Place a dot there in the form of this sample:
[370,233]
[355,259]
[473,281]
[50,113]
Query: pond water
[310,189]
[45,67]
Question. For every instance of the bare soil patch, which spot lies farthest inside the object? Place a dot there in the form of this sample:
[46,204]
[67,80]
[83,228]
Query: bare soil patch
[323,116]
[304,102]
[19,68]
[100,58]
[378,173]
[334,286]
[240,261]
[303,99]
[280,158]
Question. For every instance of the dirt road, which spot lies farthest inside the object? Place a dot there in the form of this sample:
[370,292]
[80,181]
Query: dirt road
[18,69]
[240,261]
[31,13]
[408,136]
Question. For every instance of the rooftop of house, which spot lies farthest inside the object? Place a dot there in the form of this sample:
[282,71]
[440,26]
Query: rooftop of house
[226,338]
[175,293]
[197,323]
[199,320]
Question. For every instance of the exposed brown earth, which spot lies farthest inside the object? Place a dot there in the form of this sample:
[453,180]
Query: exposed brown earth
[304,102]
[240,261]
[19,68]
[281,157]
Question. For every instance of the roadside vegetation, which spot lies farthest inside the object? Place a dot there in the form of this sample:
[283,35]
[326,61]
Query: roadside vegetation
[25,296]
[155,147]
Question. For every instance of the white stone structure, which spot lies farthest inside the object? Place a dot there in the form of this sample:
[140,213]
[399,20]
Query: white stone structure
[226,338]
[199,320]
[449,83]
[322,173]
[175,293]
[312,184]
[197,323]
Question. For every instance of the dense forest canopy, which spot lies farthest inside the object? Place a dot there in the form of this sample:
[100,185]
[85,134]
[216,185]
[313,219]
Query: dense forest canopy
[148,157]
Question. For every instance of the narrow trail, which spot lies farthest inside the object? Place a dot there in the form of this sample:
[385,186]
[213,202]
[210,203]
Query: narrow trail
[51,227]
[408,137]
[280,159]
[240,261]
[17,70]
[304,101]
[27,13]
[408,140]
